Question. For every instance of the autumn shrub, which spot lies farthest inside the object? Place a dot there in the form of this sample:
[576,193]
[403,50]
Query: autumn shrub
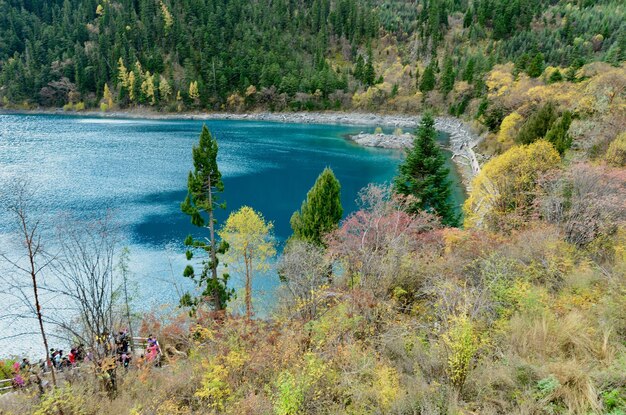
[504,191]
[616,154]
[63,400]
[461,341]
[304,271]
[375,242]
[586,201]
[6,369]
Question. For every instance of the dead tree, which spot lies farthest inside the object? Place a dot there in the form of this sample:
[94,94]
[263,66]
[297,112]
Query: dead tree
[21,205]
[86,278]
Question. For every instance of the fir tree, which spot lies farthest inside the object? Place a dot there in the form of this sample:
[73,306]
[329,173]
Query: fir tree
[535,67]
[558,133]
[369,75]
[428,79]
[321,212]
[447,78]
[204,185]
[537,124]
[359,68]
[423,175]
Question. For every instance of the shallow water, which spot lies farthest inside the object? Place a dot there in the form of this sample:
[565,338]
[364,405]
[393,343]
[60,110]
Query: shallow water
[137,170]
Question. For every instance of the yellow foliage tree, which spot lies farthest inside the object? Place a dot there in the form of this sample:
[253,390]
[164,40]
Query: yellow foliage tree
[508,127]
[147,87]
[131,86]
[168,20]
[194,93]
[251,91]
[251,245]
[235,102]
[179,101]
[500,80]
[165,89]
[503,191]
[122,73]
[107,98]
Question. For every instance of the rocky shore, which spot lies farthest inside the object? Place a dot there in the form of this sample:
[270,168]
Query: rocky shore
[462,142]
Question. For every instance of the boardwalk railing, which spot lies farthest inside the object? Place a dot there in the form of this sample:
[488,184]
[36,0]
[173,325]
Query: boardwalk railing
[6,385]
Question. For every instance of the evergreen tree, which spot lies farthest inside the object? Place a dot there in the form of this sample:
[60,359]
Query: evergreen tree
[204,185]
[423,175]
[468,18]
[321,212]
[535,67]
[558,134]
[428,79]
[468,73]
[556,76]
[417,77]
[359,68]
[447,78]
[537,124]
[369,75]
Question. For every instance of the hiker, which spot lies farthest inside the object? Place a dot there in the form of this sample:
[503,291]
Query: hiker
[80,353]
[25,365]
[153,351]
[122,342]
[72,357]
[124,359]
[55,356]
[18,381]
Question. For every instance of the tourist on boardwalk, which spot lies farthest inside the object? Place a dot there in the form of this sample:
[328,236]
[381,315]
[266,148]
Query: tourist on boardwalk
[153,350]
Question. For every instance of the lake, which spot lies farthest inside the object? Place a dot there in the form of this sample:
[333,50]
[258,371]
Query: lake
[137,170]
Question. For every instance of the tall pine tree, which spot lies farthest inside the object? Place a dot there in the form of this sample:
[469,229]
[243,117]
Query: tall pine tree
[321,212]
[424,176]
[428,79]
[204,184]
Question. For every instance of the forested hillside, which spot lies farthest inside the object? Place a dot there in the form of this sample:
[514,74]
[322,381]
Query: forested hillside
[238,55]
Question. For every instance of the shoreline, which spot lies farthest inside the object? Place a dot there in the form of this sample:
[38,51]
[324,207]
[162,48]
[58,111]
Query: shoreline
[461,144]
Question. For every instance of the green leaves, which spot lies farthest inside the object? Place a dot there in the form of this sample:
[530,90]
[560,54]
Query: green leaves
[424,177]
[204,184]
[321,212]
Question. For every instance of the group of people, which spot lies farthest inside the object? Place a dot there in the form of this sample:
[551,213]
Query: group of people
[118,345]
[77,354]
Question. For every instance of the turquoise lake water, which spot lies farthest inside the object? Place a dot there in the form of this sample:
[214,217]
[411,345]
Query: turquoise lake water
[137,170]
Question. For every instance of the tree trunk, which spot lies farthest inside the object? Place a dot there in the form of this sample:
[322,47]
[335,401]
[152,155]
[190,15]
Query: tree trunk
[130,326]
[217,303]
[33,274]
[248,262]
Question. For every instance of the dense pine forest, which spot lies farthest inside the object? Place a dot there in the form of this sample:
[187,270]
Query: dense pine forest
[238,55]
[517,306]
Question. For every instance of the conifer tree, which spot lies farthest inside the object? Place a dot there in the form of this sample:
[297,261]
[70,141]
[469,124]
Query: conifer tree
[204,185]
[423,175]
[359,68]
[447,78]
[535,67]
[558,133]
[369,74]
[428,79]
[537,125]
[321,212]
